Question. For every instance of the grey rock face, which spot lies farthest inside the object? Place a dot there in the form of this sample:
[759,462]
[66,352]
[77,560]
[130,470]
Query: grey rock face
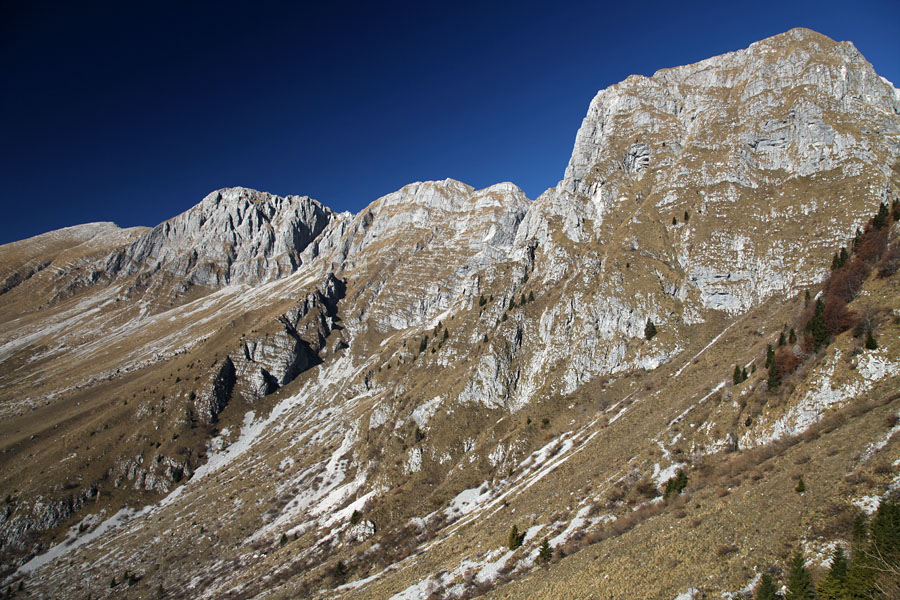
[707,188]
[234,235]
[269,362]
[212,402]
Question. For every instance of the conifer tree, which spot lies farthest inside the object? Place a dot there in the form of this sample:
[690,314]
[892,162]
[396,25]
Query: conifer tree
[766,589]
[531,296]
[832,586]
[816,326]
[515,540]
[736,377]
[340,570]
[744,374]
[770,356]
[781,340]
[546,552]
[676,484]
[649,330]
[881,217]
[799,586]
[774,379]
[792,337]
[871,344]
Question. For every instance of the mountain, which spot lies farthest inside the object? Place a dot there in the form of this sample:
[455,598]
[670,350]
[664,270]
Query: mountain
[263,398]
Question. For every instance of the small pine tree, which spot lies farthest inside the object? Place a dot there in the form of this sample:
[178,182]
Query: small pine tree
[766,589]
[482,300]
[792,336]
[801,486]
[816,327]
[881,217]
[884,531]
[283,540]
[512,303]
[781,340]
[675,485]
[531,296]
[838,568]
[686,216]
[446,334]
[522,300]
[674,221]
[799,586]
[424,344]
[835,262]
[871,344]
[843,257]
[355,517]
[546,552]
[649,330]
[736,377]
[340,571]
[515,539]
[770,355]
[774,380]
[485,340]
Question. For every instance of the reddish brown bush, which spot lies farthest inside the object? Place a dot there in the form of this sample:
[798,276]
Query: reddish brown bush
[890,260]
[837,317]
[846,281]
[786,361]
[872,244]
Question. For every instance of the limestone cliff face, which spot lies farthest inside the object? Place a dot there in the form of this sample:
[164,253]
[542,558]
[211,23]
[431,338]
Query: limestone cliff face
[233,236]
[411,255]
[709,188]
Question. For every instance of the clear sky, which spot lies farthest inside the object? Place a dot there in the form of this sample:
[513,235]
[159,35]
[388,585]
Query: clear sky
[133,111]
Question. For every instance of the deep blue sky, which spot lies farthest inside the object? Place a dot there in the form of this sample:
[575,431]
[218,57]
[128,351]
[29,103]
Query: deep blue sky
[133,111]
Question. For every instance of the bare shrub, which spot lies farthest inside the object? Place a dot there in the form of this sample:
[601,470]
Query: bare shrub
[726,549]
[846,282]
[786,361]
[889,261]
[872,244]
[838,318]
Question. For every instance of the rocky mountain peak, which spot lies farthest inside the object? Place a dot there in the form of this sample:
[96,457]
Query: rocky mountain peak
[233,236]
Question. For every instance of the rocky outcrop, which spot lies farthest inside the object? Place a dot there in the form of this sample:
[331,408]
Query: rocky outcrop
[233,236]
[20,522]
[213,401]
[266,363]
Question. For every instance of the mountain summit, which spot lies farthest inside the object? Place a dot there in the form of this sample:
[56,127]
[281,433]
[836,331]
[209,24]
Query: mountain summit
[660,378]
